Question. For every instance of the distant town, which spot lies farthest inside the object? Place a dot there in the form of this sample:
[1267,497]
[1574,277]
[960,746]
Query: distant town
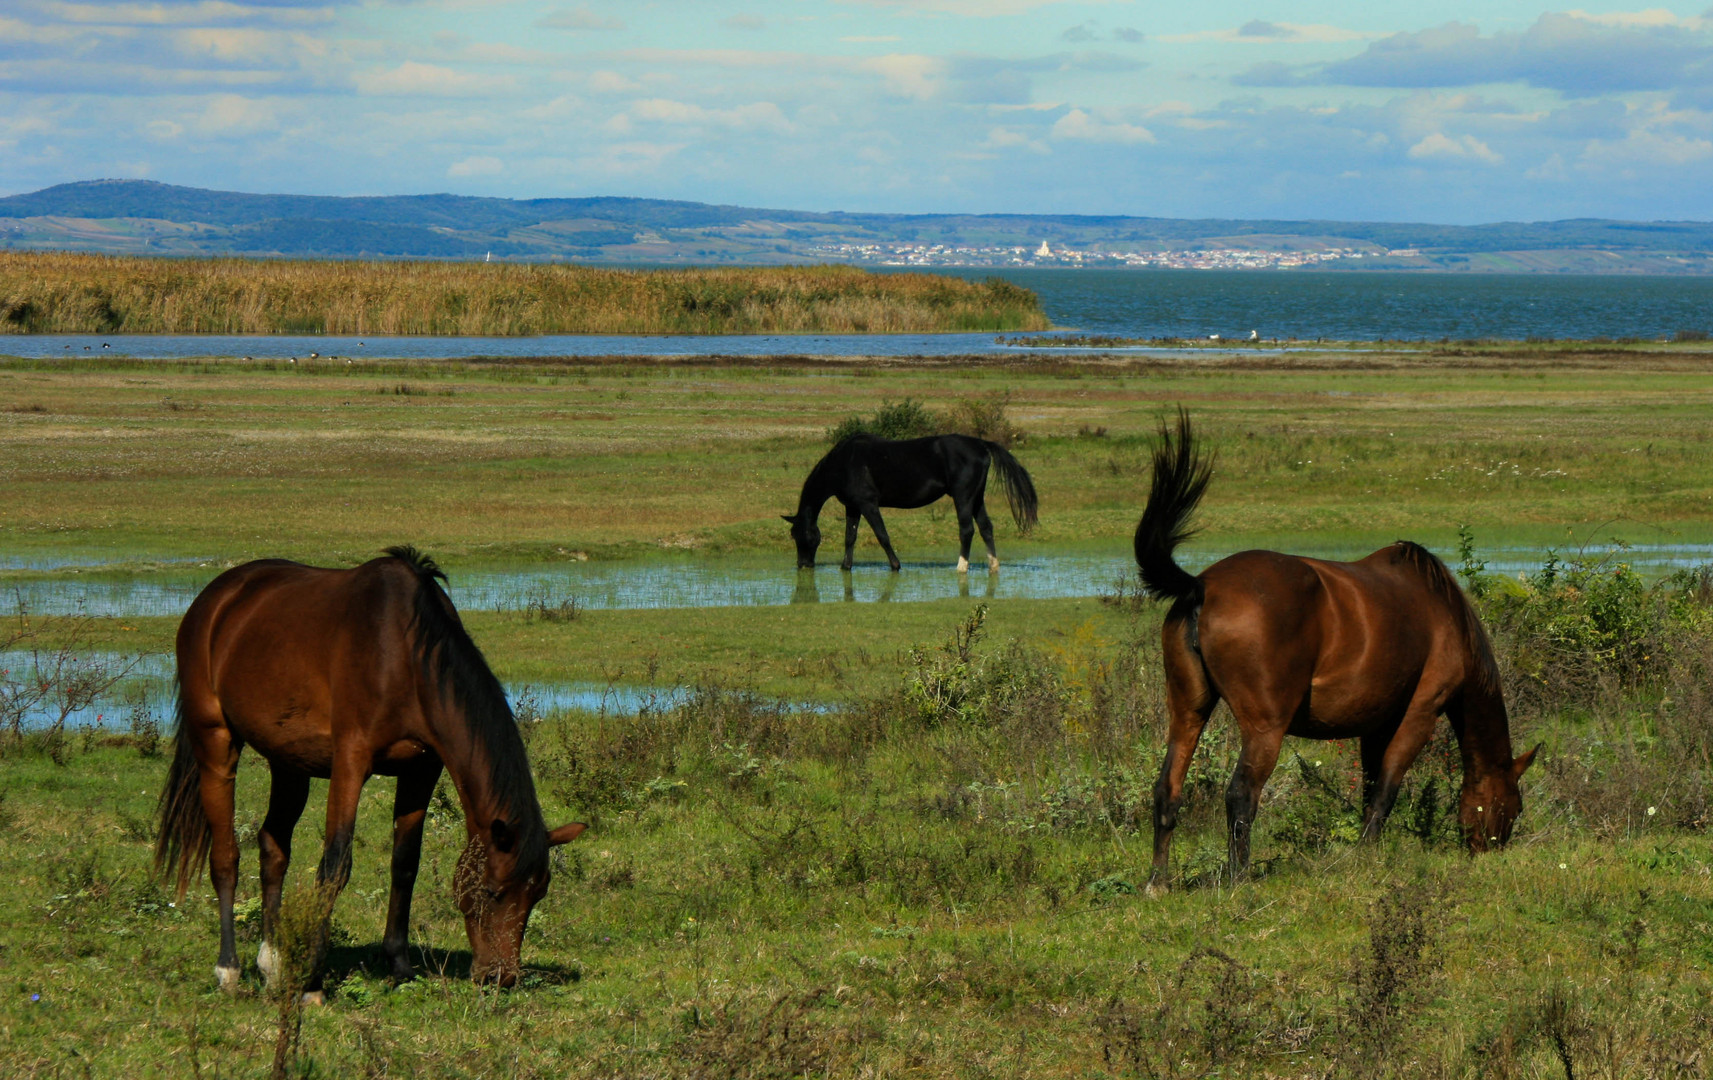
[1215,258]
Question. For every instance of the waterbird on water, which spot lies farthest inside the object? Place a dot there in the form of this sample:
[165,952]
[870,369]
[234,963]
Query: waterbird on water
[1254,335]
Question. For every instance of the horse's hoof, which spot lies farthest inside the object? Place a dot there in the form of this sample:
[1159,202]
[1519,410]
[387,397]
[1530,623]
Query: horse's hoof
[228,978]
[313,997]
[992,565]
[267,962]
[1155,889]
[963,565]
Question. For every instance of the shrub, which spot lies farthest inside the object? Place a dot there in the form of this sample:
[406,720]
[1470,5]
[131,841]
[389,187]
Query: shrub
[907,419]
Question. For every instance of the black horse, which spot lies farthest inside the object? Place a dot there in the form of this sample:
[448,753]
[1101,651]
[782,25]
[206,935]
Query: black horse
[866,472]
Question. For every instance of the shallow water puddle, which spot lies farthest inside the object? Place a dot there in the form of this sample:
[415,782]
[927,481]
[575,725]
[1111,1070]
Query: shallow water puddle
[745,581]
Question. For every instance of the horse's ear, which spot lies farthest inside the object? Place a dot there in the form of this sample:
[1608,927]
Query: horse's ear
[504,839]
[792,518]
[1521,764]
[565,834]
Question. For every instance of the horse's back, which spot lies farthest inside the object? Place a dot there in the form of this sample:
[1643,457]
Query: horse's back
[272,649]
[1350,641]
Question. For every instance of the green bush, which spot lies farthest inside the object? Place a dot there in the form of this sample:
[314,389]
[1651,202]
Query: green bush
[907,419]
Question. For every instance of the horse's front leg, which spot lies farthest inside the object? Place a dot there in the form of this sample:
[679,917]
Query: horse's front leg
[872,515]
[344,789]
[410,808]
[853,517]
[287,794]
[1394,759]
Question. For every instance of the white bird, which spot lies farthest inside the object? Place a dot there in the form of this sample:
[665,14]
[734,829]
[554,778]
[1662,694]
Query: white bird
[1254,335]
[1213,337]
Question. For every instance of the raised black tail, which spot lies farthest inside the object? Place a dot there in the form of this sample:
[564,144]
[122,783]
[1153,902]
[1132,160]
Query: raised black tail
[1019,489]
[181,847]
[1181,474]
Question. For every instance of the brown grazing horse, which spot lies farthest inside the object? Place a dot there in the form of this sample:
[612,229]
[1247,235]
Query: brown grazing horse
[1374,649]
[343,674]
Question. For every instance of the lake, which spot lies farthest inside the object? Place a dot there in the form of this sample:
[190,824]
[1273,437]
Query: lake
[1342,306]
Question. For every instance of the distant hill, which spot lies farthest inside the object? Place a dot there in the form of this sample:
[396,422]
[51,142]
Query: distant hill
[145,217]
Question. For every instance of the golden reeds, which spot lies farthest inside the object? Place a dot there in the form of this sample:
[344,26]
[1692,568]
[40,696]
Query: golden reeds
[64,293]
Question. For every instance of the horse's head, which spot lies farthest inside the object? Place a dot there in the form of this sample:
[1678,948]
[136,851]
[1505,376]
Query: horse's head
[1491,803]
[807,532]
[499,880]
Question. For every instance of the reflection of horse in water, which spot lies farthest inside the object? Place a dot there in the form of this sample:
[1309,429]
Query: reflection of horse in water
[806,591]
[342,674]
[1374,649]
[866,472]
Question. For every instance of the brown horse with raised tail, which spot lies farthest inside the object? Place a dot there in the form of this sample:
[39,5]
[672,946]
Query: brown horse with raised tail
[342,674]
[1375,650]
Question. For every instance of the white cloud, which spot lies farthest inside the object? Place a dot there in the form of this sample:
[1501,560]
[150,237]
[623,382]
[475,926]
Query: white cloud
[1646,147]
[230,115]
[976,8]
[611,82]
[476,166]
[164,130]
[1078,124]
[1260,32]
[1466,147]
[580,18]
[909,74]
[204,13]
[412,79]
[744,22]
[757,116]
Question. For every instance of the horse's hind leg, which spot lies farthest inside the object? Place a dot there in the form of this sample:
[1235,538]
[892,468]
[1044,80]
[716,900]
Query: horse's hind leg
[410,807]
[217,755]
[1190,699]
[985,524]
[286,797]
[966,533]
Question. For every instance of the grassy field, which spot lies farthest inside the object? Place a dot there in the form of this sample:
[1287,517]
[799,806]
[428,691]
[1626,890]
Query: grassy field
[940,875]
[480,462]
[99,294]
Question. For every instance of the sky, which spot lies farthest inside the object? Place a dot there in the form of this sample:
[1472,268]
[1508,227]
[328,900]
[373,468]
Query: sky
[1453,112]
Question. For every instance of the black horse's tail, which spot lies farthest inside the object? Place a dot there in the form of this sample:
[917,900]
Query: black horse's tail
[182,845]
[1181,475]
[1019,489]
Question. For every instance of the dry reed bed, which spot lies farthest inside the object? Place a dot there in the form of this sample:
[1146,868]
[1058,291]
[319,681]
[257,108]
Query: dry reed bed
[60,293]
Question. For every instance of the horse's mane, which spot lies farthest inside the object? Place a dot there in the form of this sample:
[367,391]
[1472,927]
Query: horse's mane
[452,663]
[1439,578]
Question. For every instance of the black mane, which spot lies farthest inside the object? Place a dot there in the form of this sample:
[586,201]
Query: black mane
[451,662]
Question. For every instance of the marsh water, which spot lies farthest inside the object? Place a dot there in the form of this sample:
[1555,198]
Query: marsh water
[1188,304]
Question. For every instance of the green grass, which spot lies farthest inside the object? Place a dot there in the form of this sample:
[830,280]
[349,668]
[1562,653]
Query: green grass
[875,889]
[495,462]
[98,294]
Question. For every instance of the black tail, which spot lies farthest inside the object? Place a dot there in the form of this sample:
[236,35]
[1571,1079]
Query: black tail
[1181,474]
[182,845]
[1019,489]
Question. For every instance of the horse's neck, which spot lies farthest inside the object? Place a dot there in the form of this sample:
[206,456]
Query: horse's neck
[1485,741]
[817,489]
[468,766]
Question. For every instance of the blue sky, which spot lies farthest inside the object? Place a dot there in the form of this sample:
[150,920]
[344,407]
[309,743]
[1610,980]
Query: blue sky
[1425,111]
